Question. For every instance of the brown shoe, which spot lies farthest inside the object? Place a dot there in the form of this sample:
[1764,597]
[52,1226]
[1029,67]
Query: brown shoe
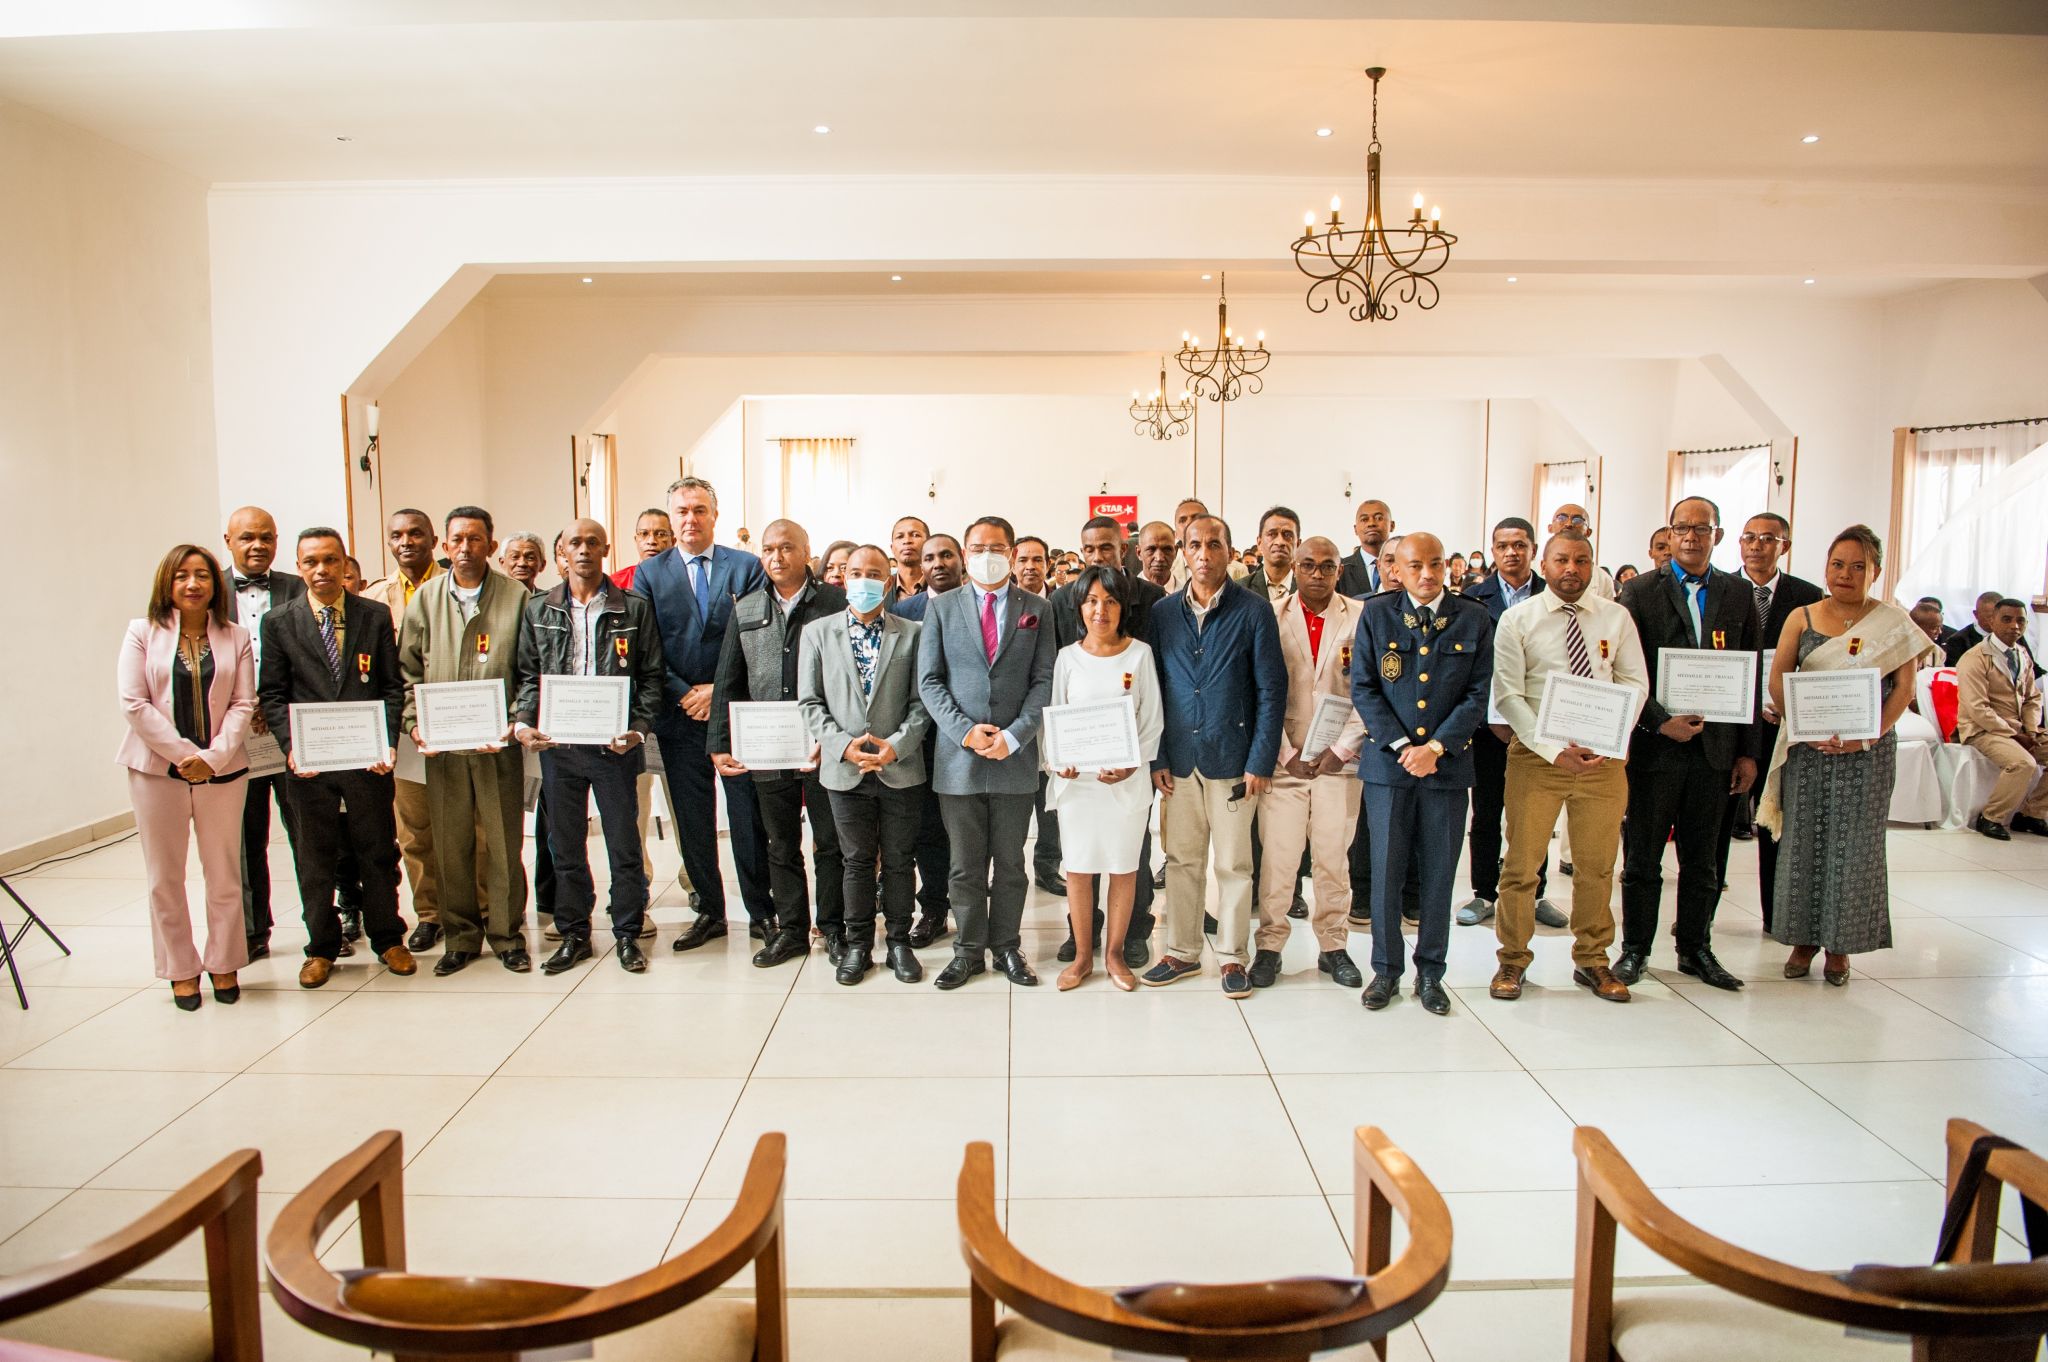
[399,960]
[1601,980]
[1507,983]
[314,972]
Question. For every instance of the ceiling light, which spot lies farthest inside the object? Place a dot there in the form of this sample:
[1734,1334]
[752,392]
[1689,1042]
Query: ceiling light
[1163,417]
[1206,278]
[1806,281]
[586,278]
[821,128]
[1232,368]
[1511,279]
[895,278]
[1810,138]
[1323,132]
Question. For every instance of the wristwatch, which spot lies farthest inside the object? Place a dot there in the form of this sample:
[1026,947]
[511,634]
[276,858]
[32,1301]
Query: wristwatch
[1435,746]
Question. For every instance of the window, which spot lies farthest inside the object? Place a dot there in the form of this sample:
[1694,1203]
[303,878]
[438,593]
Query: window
[1738,481]
[1568,482]
[817,482]
[597,484]
[1944,469]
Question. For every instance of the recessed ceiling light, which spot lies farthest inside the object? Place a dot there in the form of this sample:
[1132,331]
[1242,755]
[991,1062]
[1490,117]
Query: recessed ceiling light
[586,278]
[1806,281]
[1206,278]
[821,128]
[895,278]
[344,139]
[1323,132]
[1511,279]
[1810,138]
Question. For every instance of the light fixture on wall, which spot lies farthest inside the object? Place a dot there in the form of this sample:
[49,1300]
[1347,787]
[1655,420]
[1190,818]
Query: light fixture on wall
[1162,417]
[1232,368]
[369,443]
[1368,269]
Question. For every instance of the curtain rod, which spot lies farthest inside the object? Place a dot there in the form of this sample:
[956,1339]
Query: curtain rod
[1983,425]
[1724,449]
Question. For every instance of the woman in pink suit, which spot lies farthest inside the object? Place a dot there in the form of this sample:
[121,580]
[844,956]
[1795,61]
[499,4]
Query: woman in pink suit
[188,689]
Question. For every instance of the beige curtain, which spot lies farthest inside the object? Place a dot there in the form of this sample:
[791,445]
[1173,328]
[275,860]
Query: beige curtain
[817,481]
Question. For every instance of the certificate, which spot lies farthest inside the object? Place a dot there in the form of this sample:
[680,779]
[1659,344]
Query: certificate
[769,735]
[1100,735]
[1325,725]
[1837,704]
[584,711]
[265,757]
[1578,711]
[1719,687]
[346,736]
[459,716]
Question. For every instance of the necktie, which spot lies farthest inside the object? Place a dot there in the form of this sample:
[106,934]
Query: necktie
[2012,658]
[1695,589]
[700,583]
[1763,613]
[1575,642]
[1423,613]
[327,641]
[988,625]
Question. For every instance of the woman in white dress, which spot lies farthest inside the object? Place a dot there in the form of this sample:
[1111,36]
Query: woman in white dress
[1103,813]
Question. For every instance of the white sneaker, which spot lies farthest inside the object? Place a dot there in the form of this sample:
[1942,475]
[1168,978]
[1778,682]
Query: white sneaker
[1550,915]
[1475,912]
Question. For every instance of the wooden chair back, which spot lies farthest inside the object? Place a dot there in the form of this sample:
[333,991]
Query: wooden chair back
[1969,1308]
[221,1204]
[1254,1320]
[384,1307]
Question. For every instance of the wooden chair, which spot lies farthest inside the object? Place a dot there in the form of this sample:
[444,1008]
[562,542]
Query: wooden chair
[1964,1310]
[48,1306]
[384,1307]
[1286,1319]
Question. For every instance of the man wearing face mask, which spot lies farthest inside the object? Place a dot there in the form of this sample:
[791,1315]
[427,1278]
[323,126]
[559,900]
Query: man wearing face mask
[940,566]
[984,672]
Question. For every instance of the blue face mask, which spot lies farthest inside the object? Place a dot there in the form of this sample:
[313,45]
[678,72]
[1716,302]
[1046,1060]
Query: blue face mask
[864,593]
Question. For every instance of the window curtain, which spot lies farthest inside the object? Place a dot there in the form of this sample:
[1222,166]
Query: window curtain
[1992,541]
[1948,468]
[1736,480]
[1557,484]
[817,483]
[600,483]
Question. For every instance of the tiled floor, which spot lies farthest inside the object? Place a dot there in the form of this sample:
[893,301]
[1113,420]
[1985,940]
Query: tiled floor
[581,1127]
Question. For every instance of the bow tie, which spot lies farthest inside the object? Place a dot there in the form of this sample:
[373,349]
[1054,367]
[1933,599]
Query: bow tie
[261,580]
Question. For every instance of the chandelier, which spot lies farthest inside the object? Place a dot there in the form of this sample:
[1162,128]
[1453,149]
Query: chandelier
[1367,268]
[1161,418]
[1231,369]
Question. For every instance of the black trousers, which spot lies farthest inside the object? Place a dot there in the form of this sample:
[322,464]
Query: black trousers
[1415,832]
[989,882]
[346,809]
[782,802]
[688,773]
[1692,803]
[934,850]
[569,777]
[544,855]
[877,828]
[1361,873]
[1045,851]
[256,919]
[1489,806]
[1767,873]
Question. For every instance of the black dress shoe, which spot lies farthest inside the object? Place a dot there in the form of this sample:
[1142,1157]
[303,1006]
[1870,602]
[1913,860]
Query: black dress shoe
[1743,832]
[1137,952]
[1629,968]
[1378,993]
[757,929]
[451,961]
[1340,967]
[835,942]
[1702,965]
[705,928]
[1208,924]
[1411,914]
[351,923]
[2037,826]
[424,937]
[959,970]
[1265,970]
[1159,878]
[632,959]
[1051,883]
[696,901]
[783,946]
[1065,954]
[1435,1001]
[516,960]
[566,956]
[903,963]
[927,930]
[1016,968]
[1995,831]
[1564,867]
[259,948]
[1298,908]
[854,963]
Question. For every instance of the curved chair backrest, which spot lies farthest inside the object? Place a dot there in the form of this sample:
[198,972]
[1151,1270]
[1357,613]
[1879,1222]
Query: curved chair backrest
[383,1307]
[1280,1319]
[1971,1298]
[221,1202]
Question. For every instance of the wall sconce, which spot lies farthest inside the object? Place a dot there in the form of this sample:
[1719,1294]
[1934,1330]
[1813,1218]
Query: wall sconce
[369,444]
[931,490]
[1347,487]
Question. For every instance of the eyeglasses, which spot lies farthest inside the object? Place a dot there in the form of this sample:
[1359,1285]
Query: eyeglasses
[1692,531]
[1751,540]
[1315,569]
[1574,520]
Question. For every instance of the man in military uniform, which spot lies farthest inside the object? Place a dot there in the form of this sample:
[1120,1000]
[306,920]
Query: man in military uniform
[1421,670]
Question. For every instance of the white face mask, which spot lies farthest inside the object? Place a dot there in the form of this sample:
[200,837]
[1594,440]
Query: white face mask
[989,570]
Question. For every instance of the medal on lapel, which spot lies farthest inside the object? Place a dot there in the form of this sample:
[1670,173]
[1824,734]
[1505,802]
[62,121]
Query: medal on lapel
[1390,667]
[363,667]
[1603,649]
[619,647]
[483,646]
[1344,657]
[1855,646]
[1127,680]
[1720,638]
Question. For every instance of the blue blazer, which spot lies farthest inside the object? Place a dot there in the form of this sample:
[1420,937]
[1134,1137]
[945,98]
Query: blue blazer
[1224,687]
[1492,594]
[690,638]
[1417,686]
[911,607]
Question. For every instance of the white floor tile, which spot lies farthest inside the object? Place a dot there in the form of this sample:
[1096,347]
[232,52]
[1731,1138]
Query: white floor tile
[101,957]
[1805,1021]
[2029,934]
[1193,1137]
[1111,1243]
[879,1330]
[138,1033]
[51,1012]
[88,1215]
[59,1127]
[1468,1131]
[651,1035]
[1325,1031]
[1907,1104]
[447,1033]
[717,967]
[852,1245]
[484,974]
[1726,1126]
[2011,1013]
[1974,893]
[62,902]
[864,1138]
[1937,948]
[21,1205]
[871,1033]
[1569,1028]
[581,1241]
[1497,1326]
[1096,1029]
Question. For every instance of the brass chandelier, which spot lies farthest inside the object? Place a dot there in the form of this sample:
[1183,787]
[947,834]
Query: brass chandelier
[1162,417]
[1232,368]
[1368,269]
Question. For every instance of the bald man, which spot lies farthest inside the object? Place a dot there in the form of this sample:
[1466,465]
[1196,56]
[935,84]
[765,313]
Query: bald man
[251,540]
[1374,525]
[1571,518]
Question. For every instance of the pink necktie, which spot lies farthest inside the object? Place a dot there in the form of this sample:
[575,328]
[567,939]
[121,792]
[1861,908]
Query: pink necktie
[988,625]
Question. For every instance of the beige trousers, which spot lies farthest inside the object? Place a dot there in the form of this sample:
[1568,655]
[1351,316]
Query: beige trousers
[1207,827]
[416,844]
[1593,804]
[1323,814]
[2018,770]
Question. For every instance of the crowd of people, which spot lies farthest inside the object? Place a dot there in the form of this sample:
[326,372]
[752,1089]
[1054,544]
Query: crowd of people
[1349,717]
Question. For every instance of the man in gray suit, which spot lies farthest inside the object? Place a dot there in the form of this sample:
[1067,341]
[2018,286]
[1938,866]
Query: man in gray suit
[857,686]
[984,666]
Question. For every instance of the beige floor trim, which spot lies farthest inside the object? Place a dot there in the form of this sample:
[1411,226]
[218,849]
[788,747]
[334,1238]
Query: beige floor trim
[70,840]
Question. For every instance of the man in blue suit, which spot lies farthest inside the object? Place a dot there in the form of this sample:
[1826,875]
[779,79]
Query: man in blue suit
[1223,679]
[1421,676]
[692,588]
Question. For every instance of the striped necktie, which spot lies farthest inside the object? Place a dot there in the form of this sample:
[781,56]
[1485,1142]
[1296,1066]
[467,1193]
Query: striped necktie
[1763,613]
[1575,642]
[327,642]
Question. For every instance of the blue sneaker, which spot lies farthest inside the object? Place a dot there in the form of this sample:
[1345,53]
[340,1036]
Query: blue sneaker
[1168,971]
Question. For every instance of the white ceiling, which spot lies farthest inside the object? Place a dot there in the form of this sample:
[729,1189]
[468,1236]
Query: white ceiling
[1937,93]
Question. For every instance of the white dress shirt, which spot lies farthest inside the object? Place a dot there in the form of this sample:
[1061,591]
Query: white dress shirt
[1529,644]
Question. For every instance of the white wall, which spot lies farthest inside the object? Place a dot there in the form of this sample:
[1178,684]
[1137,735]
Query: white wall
[106,434]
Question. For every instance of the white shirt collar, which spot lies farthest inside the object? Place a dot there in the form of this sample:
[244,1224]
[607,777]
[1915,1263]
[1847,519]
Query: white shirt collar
[1998,647]
[1770,588]
[1431,604]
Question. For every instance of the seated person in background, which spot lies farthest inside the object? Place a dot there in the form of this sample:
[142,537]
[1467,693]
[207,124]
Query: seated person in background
[1927,613]
[1999,714]
[1962,640]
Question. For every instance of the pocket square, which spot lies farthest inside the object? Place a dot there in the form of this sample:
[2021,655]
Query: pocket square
[1027,621]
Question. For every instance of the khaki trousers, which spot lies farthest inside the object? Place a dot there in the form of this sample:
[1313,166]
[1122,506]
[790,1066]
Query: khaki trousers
[2018,768]
[1207,827]
[1322,813]
[416,844]
[643,786]
[1593,804]
[476,802]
